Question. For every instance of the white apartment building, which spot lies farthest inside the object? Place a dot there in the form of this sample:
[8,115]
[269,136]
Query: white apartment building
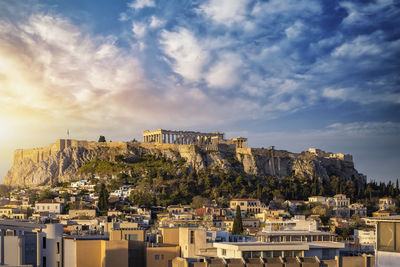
[48,205]
[298,223]
[337,201]
[246,250]
[365,237]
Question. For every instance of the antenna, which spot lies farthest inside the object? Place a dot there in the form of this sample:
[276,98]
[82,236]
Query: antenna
[68,133]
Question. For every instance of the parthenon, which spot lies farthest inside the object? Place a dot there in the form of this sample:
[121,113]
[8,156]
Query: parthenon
[161,136]
[210,140]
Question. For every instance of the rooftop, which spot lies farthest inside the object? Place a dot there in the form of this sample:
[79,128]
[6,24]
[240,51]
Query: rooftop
[262,246]
[47,201]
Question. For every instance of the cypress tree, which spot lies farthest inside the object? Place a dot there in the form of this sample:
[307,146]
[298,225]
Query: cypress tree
[103,199]
[237,228]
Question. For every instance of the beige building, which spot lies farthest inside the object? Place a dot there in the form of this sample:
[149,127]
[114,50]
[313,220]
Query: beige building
[319,199]
[95,253]
[170,235]
[247,205]
[358,209]
[161,255]
[13,213]
[339,201]
[190,240]
[87,213]
[386,203]
[127,234]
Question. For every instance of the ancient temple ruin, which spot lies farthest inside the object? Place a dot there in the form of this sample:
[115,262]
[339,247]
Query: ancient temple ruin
[161,136]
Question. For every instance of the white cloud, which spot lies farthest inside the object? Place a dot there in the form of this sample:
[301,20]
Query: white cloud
[156,22]
[188,55]
[123,17]
[366,128]
[225,12]
[225,73]
[139,29]
[335,93]
[360,46]
[138,4]
[295,30]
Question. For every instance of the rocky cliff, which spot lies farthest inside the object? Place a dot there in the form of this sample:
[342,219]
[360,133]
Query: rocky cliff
[63,161]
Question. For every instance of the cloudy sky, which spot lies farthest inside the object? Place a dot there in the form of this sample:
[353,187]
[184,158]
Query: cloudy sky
[290,73]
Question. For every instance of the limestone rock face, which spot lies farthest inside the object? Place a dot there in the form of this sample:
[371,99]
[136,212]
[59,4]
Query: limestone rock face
[282,163]
[61,165]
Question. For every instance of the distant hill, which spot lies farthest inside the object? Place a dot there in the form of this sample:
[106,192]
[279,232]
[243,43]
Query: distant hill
[185,168]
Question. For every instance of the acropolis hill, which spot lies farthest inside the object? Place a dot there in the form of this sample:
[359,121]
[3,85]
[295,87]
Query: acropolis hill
[62,160]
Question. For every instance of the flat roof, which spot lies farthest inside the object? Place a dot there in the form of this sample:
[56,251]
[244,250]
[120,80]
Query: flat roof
[385,218]
[87,237]
[294,232]
[268,246]
[16,225]
[261,246]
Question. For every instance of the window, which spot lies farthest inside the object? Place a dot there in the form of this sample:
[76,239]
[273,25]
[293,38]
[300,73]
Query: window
[256,254]
[277,254]
[246,254]
[58,264]
[133,237]
[288,253]
[156,257]
[192,237]
[298,253]
[58,247]
[223,252]
[169,263]
[44,242]
[325,254]
[296,238]
[44,263]
[162,256]
[388,236]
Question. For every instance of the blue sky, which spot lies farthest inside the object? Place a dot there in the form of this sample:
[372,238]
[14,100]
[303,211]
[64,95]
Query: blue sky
[294,74]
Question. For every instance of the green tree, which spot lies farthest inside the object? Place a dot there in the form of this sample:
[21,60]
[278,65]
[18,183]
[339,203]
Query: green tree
[46,194]
[29,212]
[102,139]
[198,202]
[5,190]
[141,198]
[237,227]
[103,200]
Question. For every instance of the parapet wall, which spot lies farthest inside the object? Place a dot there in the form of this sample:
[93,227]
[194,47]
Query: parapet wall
[39,154]
[35,154]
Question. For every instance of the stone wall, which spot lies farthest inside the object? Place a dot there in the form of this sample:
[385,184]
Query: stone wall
[35,154]
[40,154]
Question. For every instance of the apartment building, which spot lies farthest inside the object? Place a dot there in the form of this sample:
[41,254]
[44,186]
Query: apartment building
[386,203]
[247,205]
[25,243]
[49,206]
